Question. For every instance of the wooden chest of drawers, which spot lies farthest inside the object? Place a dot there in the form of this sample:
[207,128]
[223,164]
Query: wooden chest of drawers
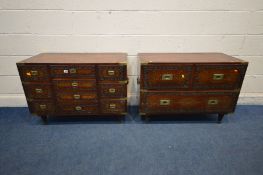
[189,83]
[75,84]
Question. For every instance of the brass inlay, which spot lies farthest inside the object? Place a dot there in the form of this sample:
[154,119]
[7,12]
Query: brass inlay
[167,76]
[73,70]
[112,90]
[43,106]
[76,96]
[165,102]
[74,84]
[38,90]
[78,108]
[112,106]
[212,102]
[218,76]
[111,72]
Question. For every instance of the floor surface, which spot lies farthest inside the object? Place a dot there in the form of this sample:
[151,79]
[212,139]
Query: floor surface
[195,145]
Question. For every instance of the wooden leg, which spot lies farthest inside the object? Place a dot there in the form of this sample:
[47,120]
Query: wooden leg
[220,118]
[44,119]
[146,118]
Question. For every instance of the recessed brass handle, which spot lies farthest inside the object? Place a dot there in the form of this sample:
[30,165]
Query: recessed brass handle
[38,90]
[112,90]
[111,72]
[76,96]
[165,102]
[74,84]
[73,70]
[43,106]
[218,76]
[212,102]
[167,76]
[34,72]
[78,108]
[112,106]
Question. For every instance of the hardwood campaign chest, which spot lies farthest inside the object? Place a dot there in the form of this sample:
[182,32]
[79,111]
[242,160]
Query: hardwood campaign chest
[184,83]
[77,84]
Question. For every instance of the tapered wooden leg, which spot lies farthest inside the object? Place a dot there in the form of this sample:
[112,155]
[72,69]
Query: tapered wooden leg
[220,118]
[44,119]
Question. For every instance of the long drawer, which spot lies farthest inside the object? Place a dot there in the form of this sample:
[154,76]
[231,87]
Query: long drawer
[187,102]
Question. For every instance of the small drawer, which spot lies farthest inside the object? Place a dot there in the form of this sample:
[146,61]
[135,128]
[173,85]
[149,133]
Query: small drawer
[78,84]
[40,107]
[219,76]
[72,71]
[113,90]
[76,109]
[33,72]
[114,106]
[37,90]
[77,96]
[166,76]
[112,72]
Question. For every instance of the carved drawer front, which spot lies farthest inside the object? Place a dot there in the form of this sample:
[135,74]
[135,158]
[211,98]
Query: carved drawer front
[76,108]
[77,96]
[73,71]
[113,106]
[166,76]
[113,90]
[33,72]
[41,107]
[112,72]
[165,102]
[37,90]
[78,84]
[219,76]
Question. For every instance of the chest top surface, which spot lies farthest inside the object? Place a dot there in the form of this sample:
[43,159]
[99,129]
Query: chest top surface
[188,58]
[87,58]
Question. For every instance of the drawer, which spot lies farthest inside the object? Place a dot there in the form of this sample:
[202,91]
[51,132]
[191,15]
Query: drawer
[33,72]
[78,84]
[72,71]
[77,96]
[166,76]
[219,76]
[76,109]
[112,72]
[113,106]
[113,90]
[40,107]
[188,102]
[35,90]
